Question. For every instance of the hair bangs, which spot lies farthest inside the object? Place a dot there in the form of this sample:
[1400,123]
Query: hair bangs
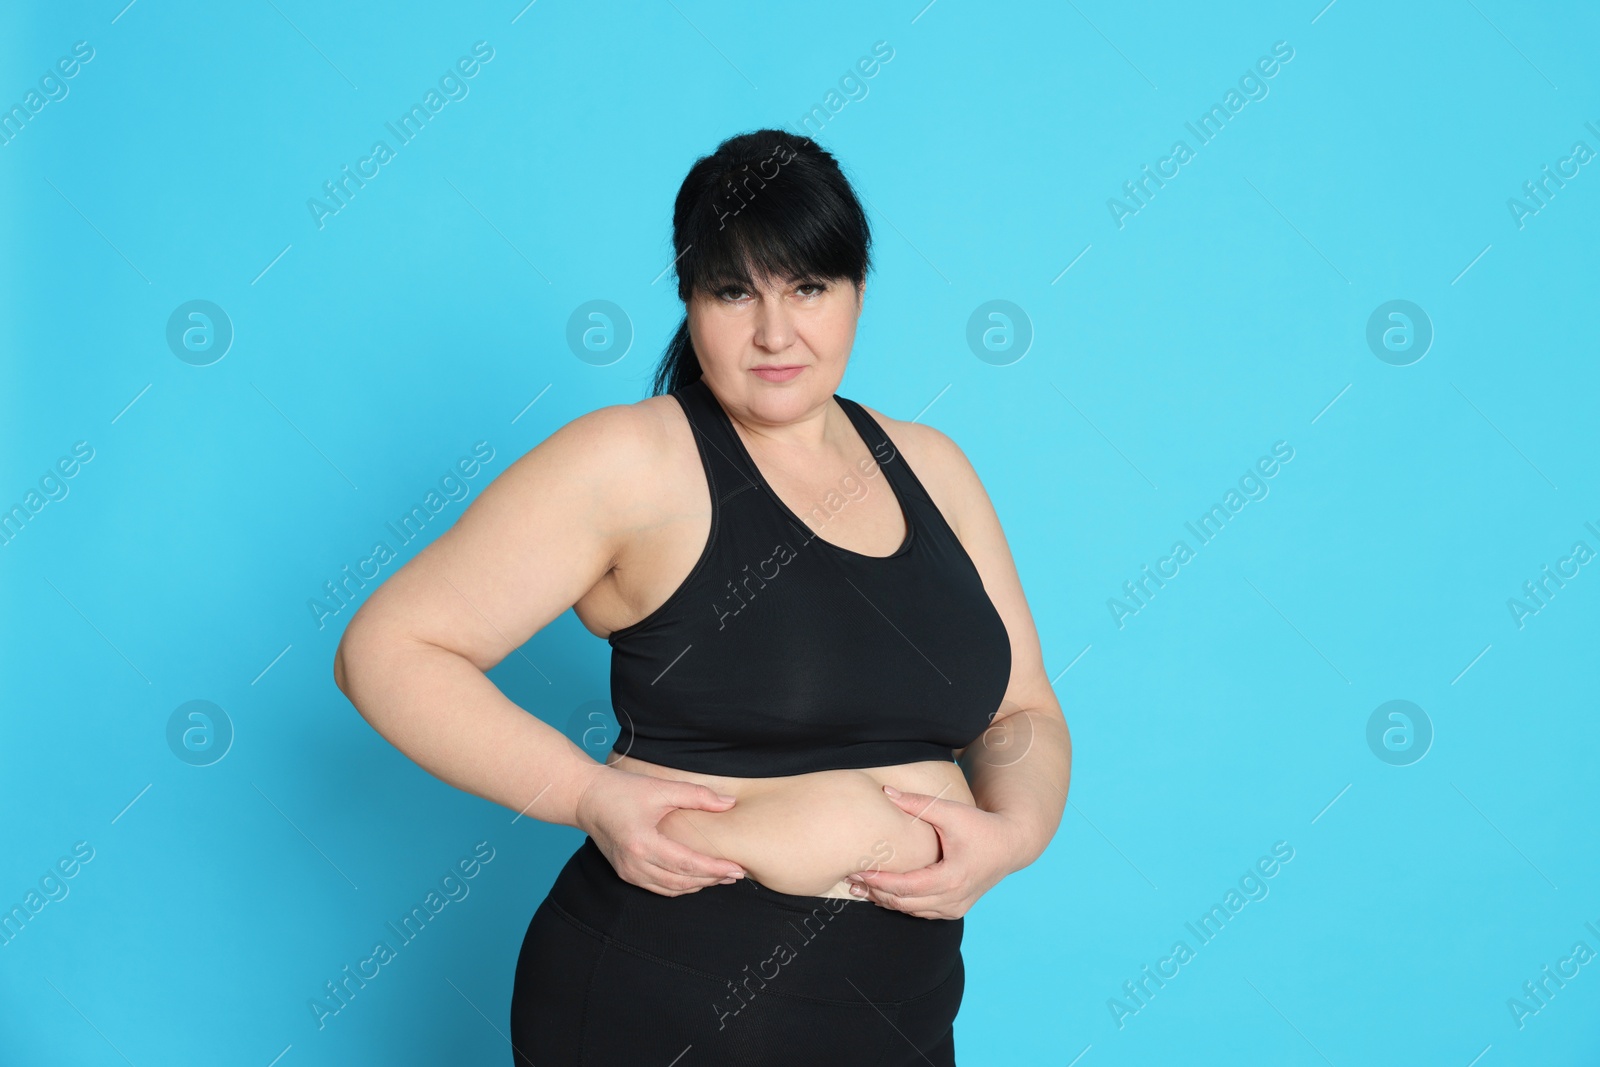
[776,234]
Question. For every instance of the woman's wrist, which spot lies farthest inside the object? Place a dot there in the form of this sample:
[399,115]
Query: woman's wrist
[1022,844]
[583,780]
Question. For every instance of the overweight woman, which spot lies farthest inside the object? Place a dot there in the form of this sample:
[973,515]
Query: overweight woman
[836,728]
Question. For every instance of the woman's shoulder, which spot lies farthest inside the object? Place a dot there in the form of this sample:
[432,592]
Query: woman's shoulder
[621,434]
[619,463]
[939,464]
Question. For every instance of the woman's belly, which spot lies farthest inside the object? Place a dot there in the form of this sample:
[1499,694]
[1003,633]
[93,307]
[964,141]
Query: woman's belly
[804,833]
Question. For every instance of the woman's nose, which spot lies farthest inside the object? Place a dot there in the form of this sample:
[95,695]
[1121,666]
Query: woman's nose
[774,328]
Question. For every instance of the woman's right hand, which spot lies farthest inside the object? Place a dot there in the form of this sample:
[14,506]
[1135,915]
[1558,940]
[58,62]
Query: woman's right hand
[620,810]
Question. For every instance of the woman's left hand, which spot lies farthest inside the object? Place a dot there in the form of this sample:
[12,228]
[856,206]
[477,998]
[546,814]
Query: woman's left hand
[977,848]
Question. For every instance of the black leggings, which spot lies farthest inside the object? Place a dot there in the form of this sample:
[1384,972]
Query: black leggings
[611,973]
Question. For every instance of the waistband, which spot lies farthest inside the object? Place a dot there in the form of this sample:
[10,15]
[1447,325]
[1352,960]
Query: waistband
[793,945]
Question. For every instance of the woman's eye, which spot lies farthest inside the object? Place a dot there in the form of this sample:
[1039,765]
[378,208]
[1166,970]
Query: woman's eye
[734,292]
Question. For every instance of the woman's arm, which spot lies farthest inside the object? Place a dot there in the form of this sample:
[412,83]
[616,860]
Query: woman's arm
[1020,768]
[1022,764]
[413,658]
[541,535]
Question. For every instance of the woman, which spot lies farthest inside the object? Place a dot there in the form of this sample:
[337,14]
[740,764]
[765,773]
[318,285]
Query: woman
[750,889]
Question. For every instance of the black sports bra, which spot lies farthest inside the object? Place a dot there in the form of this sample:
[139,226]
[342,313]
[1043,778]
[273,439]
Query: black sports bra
[782,653]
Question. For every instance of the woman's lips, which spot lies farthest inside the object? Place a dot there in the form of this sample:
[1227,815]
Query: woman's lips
[777,373]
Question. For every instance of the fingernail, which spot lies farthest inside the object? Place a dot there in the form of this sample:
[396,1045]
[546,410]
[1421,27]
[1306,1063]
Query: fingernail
[854,877]
[858,891]
[891,790]
[725,797]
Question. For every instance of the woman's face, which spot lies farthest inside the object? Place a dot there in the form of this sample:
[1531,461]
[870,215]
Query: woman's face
[808,323]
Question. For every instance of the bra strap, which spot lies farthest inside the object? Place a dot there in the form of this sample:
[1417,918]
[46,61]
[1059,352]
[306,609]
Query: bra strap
[718,455]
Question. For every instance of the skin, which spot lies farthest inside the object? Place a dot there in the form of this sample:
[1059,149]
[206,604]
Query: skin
[634,514]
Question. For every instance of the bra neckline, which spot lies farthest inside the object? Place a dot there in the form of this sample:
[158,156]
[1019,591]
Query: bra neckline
[844,405]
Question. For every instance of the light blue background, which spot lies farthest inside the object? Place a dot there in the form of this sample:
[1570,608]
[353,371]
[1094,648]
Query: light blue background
[1229,313]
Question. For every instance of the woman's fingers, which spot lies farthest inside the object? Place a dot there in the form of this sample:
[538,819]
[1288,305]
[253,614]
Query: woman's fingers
[631,811]
[680,859]
[670,868]
[669,883]
[683,870]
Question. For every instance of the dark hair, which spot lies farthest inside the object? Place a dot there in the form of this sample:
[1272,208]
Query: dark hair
[768,203]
